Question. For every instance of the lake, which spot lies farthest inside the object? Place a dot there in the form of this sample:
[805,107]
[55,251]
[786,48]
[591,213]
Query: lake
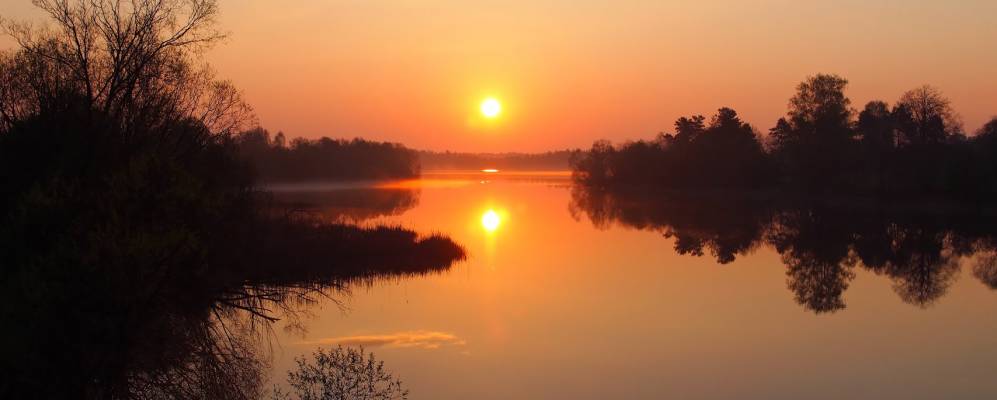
[573,295]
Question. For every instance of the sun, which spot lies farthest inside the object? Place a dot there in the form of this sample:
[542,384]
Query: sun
[490,220]
[491,107]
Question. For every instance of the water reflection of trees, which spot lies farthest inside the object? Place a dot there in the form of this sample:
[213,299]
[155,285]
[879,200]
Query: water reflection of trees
[821,244]
[136,259]
[724,229]
[351,204]
[196,327]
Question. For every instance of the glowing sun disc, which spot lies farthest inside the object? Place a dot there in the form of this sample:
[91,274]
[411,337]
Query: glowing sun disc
[491,108]
[490,220]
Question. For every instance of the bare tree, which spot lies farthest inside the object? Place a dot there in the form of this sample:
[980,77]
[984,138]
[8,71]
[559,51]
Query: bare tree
[924,115]
[129,59]
[343,373]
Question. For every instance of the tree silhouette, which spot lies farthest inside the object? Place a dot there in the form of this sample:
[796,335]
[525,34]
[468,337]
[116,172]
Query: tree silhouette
[924,117]
[127,60]
[724,154]
[343,373]
[877,133]
[814,138]
[916,150]
[325,158]
[139,260]
[876,127]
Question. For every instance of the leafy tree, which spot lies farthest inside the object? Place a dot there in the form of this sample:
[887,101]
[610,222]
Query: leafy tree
[594,167]
[814,141]
[876,130]
[687,129]
[876,127]
[989,130]
[732,150]
[820,108]
[725,154]
[984,145]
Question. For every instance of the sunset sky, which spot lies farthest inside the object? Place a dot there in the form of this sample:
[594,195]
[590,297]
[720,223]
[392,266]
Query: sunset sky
[570,72]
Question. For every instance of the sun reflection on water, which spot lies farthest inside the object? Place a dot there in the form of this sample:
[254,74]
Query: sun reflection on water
[491,220]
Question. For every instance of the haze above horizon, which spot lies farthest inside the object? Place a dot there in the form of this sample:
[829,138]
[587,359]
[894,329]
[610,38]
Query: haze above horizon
[569,73]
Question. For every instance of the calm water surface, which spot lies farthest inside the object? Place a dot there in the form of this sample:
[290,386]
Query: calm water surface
[566,297]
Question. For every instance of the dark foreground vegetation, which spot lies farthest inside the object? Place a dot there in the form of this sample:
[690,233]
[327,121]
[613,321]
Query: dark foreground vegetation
[914,149]
[138,260]
[823,242]
[325,159]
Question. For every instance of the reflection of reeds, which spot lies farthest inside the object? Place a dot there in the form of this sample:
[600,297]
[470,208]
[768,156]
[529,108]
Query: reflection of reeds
[350,205]
[283,265]
[135,305]
[293,260]
[301,248]
[289,263]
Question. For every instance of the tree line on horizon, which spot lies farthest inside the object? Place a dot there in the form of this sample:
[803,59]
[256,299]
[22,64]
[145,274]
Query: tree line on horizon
[449,160]
[275,159]
[822,146]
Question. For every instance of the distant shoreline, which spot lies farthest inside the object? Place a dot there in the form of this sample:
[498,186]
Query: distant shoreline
[430,178]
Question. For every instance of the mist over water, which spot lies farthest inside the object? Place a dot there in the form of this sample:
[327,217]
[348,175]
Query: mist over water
[648,296]
[158,242]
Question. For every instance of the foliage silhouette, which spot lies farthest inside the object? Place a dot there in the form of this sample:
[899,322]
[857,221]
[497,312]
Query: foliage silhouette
[726,153]
[916,150]
[325,158]
[139,260]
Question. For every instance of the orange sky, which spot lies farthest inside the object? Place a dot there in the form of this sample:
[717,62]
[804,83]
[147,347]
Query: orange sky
[570,72]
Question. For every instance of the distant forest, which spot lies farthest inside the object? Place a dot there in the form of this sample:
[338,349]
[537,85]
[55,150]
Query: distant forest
[276,160]
[822,146]
[551,160]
